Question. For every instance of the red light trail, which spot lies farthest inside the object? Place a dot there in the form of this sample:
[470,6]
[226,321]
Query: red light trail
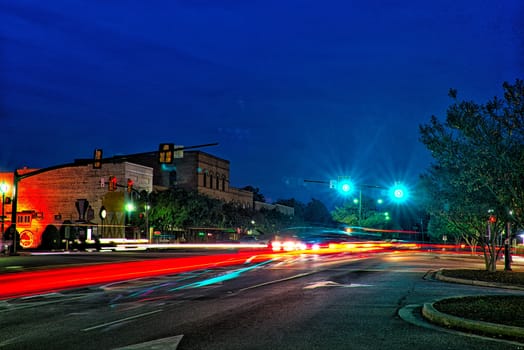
[28,283]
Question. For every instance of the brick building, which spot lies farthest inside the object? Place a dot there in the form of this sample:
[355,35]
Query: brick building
[70,199]
[67,202]
[197,171]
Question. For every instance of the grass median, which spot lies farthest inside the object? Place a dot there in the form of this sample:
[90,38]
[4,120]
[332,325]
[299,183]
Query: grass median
[500,309]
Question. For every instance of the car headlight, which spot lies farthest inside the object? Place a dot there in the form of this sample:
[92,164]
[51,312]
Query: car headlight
[276,246]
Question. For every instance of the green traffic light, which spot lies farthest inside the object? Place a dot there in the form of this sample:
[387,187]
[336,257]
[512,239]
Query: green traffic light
[398,193]
[130,207]
[345,186]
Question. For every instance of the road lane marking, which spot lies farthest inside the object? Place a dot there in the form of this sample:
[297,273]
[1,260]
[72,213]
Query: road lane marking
[121,320]
[170,343]
[323,284]
[276,281]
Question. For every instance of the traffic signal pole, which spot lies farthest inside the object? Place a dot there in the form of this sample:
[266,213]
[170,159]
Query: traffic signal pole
[14,207]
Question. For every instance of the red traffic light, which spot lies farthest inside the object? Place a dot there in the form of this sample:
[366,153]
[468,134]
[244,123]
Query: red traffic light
[112,183]
[129,185]
[492,219]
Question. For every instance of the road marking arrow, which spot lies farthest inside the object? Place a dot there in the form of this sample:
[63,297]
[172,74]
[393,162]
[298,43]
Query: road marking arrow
[322,284]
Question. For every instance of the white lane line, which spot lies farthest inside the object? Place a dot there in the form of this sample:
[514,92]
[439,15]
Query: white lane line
[276,281]
[170,343]
[121,320]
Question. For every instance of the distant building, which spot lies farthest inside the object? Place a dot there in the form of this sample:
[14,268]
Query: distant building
[284,209]
[197,171]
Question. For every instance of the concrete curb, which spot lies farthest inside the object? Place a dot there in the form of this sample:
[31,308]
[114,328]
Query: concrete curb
[433,315]
[437,317]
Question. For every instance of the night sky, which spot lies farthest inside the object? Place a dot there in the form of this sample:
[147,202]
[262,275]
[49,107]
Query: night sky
[290,89]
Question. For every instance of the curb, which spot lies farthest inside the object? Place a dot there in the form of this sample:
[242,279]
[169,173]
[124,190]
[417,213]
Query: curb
[487,328]
[439,276]
[437,317]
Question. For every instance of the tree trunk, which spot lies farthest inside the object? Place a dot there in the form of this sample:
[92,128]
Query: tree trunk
[490,257]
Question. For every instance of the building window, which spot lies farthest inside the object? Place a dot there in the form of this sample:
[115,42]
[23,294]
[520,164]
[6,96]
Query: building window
[217,185]
[224,184]
[210,181]
[205,180]
[24,220]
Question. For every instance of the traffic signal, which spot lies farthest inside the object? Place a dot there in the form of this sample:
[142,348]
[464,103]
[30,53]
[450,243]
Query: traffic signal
[97,159]
[129,185]
[492,219]
[398,193]
[166,153]
[112,183]
[345,186]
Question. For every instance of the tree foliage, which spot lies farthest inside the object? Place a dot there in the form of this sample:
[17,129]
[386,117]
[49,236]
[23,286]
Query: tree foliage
[365,213]
[179,209]
[478,168]
[257,195]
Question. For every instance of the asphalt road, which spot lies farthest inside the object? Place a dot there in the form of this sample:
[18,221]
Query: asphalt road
[294,302]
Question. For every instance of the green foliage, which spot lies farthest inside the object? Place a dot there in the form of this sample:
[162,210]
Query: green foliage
[366,214]
[316,212]
[479,167]
[257,196]
[346,214]
[176,209]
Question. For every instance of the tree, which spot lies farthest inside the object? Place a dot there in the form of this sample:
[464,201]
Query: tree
[316,213]
[365,214]
[177,209]
[257,196]
[478,171]
[298,207]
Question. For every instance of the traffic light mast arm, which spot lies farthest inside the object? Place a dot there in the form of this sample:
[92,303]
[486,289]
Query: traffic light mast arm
[84,161]
[317,181]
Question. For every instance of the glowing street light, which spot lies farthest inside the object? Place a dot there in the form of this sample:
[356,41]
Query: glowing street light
[345,186]
[103,215]
[130,207]
[398,193]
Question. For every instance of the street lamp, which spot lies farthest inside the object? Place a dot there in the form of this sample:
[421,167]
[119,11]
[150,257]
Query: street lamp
[103,215]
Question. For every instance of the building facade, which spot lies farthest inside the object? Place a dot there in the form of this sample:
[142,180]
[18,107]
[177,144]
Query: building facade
[197,171]
[70,200]
[75,201]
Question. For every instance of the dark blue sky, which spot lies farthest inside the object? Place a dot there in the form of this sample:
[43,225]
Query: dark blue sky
[291,89]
